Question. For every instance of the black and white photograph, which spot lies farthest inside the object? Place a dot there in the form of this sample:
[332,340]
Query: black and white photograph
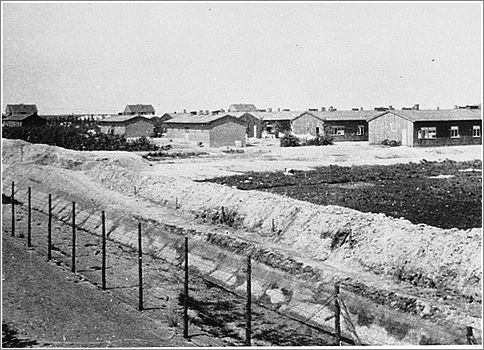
[235,174]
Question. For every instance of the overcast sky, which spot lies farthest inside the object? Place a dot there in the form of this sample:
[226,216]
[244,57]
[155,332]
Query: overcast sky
[98,57]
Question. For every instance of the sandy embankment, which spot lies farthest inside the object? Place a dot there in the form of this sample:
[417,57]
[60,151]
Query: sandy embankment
[450,259]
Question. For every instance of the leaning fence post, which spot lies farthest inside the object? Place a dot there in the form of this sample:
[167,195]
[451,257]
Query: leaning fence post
[337,324]
[29,219]
[140,269]
[103,266]
[248,325]
[73,264]
[185,301]
[49,230]
[13,208]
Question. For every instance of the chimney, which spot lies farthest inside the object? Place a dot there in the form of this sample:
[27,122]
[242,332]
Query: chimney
[323,109]
[416,106]
[206,111]
[184,111]
[200,112]
[361,108]
[438,107]
[269,109]
[390,107]
[456,107]
[279,109]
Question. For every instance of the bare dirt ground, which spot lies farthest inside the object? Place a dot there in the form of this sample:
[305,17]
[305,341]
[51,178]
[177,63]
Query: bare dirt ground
[129,184]
[266,155]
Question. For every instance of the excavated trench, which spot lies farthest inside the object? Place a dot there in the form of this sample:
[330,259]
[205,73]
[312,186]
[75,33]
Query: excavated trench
[300,252]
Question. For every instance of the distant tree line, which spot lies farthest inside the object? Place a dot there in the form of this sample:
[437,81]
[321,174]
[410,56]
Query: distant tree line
[81,137]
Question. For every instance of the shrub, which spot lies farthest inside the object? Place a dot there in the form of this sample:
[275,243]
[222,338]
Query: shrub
[321,140]
[289,140]
[392,143]
[81,138]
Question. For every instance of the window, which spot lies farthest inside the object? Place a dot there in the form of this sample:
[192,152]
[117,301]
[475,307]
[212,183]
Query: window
[454,132]
[338,130]
[476,131]
[360,130]
[427,133]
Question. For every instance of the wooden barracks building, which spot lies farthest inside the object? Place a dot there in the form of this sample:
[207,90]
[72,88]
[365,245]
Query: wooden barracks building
[424,128]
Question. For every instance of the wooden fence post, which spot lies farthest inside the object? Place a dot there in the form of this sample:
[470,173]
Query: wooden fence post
[12,197]
[337,324]
[471,340]
[49,230]
[29,220]
[103,266]
[185,301]
[73,264]
[248,316]
[140,269]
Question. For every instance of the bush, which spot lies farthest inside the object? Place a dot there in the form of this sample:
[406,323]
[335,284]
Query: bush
[289,141]
[293,141]
[320,141]
[81,138]
[392,143]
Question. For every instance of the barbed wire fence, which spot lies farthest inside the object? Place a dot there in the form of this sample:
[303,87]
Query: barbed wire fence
[151,274]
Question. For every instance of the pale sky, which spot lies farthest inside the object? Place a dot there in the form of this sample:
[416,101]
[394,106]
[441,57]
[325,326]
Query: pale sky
[98,57]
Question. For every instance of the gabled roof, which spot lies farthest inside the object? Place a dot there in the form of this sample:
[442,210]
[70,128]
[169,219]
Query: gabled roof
[20,109]
[242,107]
[122,118]
[139,109]
[199,119]
[19,117]
[277,116]
[173,115]
[345,115]
[435,114]
[239,115]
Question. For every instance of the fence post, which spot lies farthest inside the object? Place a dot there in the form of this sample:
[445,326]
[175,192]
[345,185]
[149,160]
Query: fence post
[471,340]
[29,219]
[185,301]
[273,225]
[248,325]
[12,197]
[73,264]
[103,266]
[337,313]
[140,269]
[176,202]
[49,230]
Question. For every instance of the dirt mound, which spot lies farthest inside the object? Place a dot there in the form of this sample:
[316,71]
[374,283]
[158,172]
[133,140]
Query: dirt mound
[422,255]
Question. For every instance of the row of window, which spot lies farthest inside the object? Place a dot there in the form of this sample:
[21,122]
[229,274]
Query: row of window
[340,130]
[430,132]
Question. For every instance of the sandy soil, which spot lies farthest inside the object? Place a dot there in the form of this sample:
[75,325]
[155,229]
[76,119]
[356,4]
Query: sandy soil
[39,296]
[380,246]
[266,155]
[51,307]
